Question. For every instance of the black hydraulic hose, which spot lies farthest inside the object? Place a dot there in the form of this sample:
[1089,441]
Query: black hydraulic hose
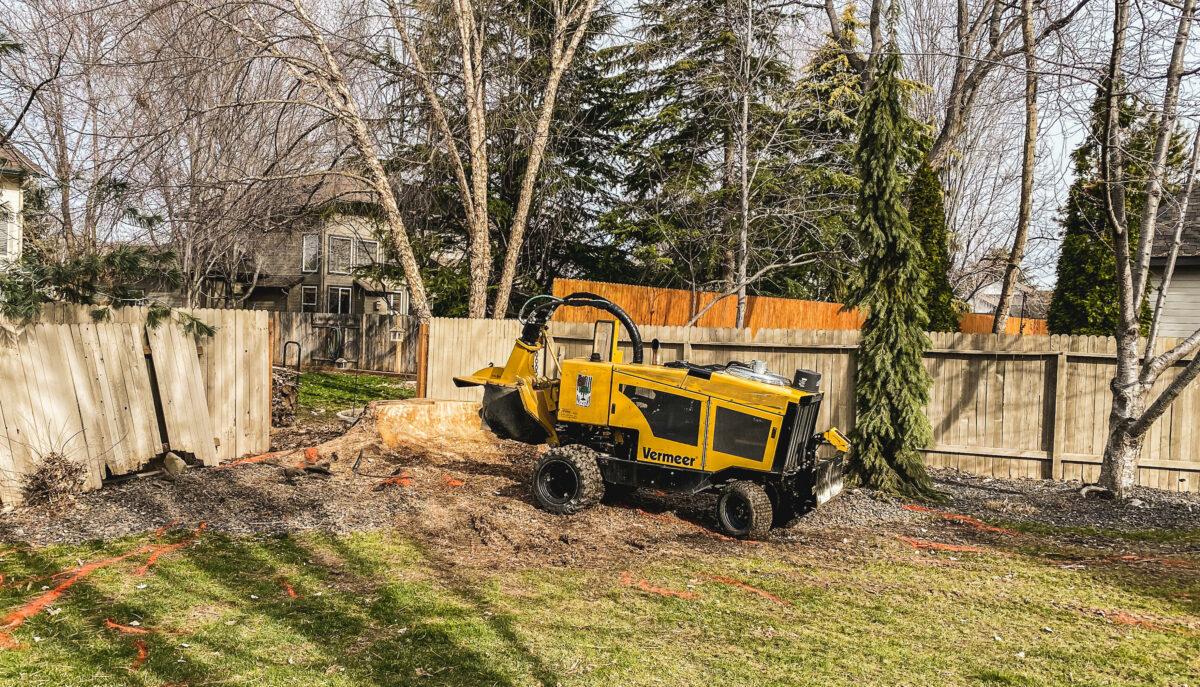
[541,314]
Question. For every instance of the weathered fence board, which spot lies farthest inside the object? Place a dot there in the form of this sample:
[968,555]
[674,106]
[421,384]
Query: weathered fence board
[1002,406]
[82,388]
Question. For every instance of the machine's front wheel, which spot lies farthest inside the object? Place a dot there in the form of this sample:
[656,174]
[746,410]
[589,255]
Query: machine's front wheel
[567,479]
[744,510]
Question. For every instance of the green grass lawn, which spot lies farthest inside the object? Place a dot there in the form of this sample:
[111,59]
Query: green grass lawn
[379,609]
[334,391]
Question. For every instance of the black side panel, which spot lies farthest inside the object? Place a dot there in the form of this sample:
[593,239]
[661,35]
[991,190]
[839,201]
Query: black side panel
[799,426]
[670,416]
[740,434]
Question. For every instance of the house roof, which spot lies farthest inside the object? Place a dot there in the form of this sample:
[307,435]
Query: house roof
[14,161]
[1164,233]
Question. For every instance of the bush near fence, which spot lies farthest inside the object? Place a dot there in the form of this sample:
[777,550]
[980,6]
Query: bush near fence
[112,395]
[676,307]
[1001,406]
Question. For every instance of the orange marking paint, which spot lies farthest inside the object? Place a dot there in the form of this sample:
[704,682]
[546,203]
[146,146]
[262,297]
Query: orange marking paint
[125,629]
[753,590]
[256,459]
[157,552]
[452,481]
[142,654]
[1123,618]
[402,480]
[628,580]
[937,546]
[19,615]
[289,589]
[165,528]
[957,517]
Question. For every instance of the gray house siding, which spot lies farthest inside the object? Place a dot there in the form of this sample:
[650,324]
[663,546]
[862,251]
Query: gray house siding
[1181,314]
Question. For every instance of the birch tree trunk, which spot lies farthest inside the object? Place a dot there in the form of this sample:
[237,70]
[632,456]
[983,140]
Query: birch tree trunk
[561,56]
[1133,412]
[1028,161]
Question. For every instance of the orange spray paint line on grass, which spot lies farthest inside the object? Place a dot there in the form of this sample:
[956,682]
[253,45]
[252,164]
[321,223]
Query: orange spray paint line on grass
[19,615]
[287,587]
[159,551]
[452,481]
[143,652]
[938,546]
[753,590]
[165,528]
[125,629]
[957,517]
[628,580]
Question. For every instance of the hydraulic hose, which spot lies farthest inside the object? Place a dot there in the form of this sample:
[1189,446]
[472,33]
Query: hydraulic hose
[535,317]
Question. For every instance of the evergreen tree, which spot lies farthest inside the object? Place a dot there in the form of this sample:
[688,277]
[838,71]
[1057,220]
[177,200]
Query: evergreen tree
[927,214]
[892,386]
[1085,296]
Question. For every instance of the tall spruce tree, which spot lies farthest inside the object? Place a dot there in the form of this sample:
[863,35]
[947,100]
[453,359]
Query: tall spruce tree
[927,213]
[1085,296]
[892,386]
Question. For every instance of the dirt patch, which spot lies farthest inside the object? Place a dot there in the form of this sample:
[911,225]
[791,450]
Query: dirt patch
[464,498]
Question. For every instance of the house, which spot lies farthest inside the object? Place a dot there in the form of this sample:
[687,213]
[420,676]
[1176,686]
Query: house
[313,264]
[15,171]
[1181,311]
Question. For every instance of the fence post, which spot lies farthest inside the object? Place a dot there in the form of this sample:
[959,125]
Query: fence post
[423,360]
[1058,419]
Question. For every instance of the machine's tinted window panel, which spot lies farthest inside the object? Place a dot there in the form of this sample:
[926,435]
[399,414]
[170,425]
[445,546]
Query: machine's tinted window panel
[740,434]
[670,416]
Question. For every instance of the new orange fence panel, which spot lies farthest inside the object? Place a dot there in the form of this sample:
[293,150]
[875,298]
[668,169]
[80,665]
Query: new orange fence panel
[675,308]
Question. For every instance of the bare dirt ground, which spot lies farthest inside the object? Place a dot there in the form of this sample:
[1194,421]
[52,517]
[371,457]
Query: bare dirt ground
[470,500]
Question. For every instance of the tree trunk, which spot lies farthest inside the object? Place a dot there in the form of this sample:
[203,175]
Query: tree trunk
[743,246]
[562,55]
[1028,160]
[1124,447]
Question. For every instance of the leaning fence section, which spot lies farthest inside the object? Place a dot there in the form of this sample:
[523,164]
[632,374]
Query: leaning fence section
[1000,405]
[111,394]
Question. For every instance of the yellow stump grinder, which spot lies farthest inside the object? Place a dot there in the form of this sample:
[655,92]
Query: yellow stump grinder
[735,429]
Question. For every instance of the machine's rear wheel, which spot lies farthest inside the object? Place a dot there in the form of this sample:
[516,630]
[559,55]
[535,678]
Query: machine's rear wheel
[567,479]
[744,510]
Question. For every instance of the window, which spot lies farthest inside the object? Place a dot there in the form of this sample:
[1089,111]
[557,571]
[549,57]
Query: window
[339,300]
[670,416]
[8,228]
[311,259]
[367,254]
[340,249]
[308,299]
[740,434]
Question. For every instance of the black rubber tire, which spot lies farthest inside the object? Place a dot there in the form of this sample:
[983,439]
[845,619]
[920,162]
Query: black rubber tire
[744,511]
[567,480]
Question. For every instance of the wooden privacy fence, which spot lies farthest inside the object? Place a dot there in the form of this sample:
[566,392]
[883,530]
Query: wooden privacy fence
[1002,406]
[379,343]
[113,395]
[671,307]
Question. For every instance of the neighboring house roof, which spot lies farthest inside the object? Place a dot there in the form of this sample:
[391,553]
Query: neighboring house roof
[1164,233]
[13,161]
